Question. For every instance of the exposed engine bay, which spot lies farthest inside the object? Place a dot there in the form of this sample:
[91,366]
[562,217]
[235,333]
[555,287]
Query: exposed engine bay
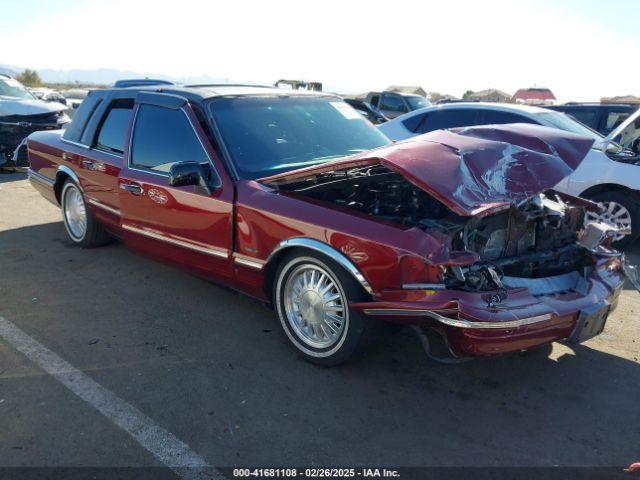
[14,129]
[539,238]
[21,114]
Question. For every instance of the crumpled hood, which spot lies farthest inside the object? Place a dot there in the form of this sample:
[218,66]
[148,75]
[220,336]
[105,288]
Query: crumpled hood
[24,106]
[475,169]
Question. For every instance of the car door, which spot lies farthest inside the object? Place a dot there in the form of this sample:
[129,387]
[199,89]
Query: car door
[100,165]
[187,225]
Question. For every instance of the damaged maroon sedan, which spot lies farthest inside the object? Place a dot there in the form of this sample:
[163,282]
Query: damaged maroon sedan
[297,200]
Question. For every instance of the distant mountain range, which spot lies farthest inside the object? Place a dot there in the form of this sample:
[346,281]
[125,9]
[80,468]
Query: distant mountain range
[7,71]
[107,76]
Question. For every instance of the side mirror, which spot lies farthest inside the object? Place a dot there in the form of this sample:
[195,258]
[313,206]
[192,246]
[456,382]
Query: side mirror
[188,173]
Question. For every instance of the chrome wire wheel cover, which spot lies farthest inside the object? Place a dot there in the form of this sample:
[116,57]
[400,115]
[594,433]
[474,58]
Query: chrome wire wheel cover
[75,213]
[613,213]
[315,306]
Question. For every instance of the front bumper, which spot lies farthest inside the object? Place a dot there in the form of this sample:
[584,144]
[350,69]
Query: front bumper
[472,327]
[13,138]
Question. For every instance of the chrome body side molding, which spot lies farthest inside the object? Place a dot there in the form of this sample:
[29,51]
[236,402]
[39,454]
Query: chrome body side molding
[180,242]
[101,205]
[40,178]
[247,261]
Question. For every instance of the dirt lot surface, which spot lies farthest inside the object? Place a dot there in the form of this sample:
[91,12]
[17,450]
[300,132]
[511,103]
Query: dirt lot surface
[212,369]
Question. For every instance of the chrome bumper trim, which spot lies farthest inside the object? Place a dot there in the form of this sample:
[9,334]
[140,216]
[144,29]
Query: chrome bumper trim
[423,286]
[453,322]
[208,249]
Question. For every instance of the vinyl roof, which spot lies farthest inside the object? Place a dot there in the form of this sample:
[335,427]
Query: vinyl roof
[204,92]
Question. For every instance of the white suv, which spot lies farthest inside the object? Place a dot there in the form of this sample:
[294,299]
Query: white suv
[609,174]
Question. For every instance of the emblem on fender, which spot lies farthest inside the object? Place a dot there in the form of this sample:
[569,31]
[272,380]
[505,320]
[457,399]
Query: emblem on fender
[354,254]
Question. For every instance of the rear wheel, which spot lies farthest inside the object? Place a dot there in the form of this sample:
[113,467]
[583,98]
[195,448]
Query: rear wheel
[621,209]
[311,297]
[82,227]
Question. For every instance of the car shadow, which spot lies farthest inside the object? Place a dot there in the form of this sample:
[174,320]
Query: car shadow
[168,333]
[7,176]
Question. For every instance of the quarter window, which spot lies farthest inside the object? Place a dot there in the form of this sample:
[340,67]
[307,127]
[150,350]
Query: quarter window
[113,130]
[163,137]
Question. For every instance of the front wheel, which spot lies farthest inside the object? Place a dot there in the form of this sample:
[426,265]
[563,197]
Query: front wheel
[621,209]
[81,226]
[312,297]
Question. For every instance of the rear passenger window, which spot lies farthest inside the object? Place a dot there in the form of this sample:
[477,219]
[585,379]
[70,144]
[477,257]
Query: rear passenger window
[453,118]
[413,122]
[163,137]
[490,117]
[113,130]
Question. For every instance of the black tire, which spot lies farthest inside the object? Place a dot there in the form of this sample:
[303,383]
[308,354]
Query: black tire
[94,234]
[359,332]
[631,202]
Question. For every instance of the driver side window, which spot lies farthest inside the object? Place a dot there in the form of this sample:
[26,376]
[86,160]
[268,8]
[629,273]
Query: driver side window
[163,137]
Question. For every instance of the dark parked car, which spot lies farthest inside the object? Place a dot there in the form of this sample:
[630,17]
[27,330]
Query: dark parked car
[367,110]
[295,199]
[602,117]
[140,82]
[394,104]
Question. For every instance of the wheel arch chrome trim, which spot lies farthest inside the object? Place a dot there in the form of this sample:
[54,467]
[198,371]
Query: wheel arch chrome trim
[66,170]
[327,250]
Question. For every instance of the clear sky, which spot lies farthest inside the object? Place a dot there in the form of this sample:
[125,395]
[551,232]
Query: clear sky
[581,49]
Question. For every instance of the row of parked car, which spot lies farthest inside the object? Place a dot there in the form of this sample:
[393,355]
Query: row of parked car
[609,175]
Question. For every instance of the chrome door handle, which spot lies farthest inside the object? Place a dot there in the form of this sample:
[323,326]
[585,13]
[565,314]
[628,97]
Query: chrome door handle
[88,164]
[132,188]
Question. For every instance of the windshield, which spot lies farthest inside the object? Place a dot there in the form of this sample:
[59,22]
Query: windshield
[270,135]
[565,122]
[417,102]
[12,88]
